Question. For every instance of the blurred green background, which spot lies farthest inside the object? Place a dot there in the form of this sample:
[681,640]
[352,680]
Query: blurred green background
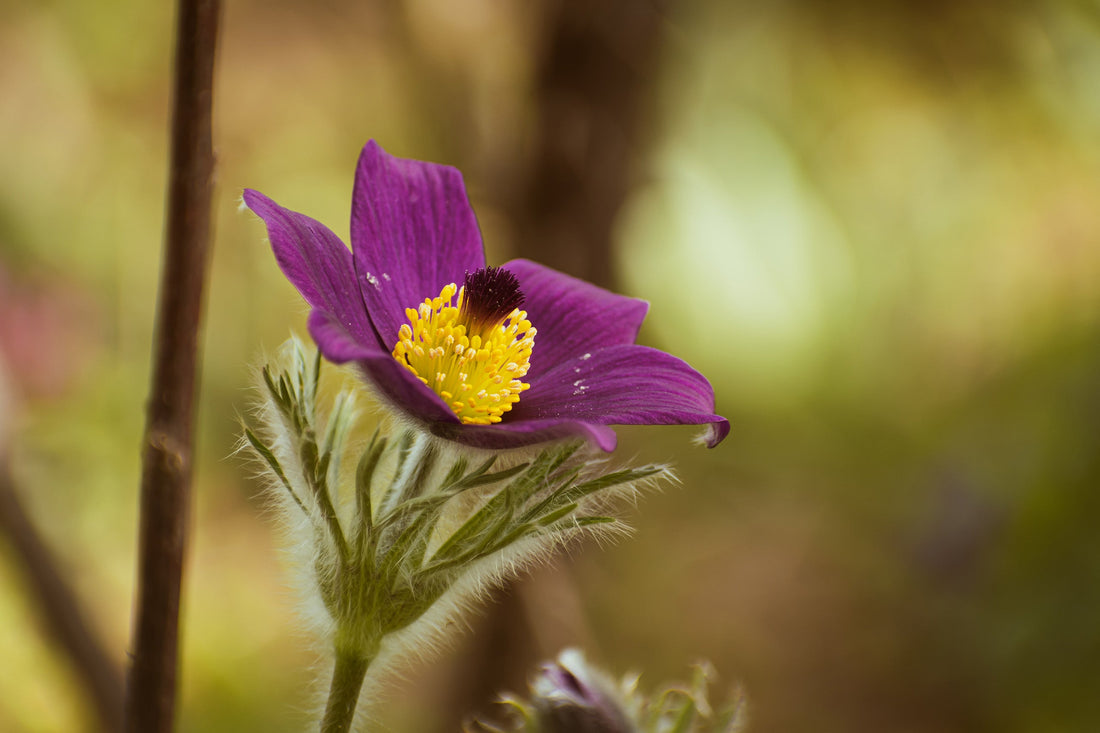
[874,226]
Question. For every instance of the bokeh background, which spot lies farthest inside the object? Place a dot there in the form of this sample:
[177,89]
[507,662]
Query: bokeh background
[874,226]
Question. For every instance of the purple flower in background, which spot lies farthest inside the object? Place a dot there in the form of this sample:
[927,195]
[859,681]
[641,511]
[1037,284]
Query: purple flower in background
[489,357]
[571,696]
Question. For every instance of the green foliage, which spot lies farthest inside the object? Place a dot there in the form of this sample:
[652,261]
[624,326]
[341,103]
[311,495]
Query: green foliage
[416,518]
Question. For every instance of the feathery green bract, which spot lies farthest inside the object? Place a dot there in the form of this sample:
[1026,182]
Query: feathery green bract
[405,522]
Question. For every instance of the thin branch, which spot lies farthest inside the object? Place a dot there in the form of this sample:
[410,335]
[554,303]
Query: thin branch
[166,460]
[61,611]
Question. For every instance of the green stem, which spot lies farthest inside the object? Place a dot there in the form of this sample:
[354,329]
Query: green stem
[343,695]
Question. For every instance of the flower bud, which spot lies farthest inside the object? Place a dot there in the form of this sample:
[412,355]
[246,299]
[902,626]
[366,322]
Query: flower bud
[570,696]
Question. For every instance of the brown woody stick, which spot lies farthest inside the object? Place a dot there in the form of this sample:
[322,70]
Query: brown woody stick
[166,460]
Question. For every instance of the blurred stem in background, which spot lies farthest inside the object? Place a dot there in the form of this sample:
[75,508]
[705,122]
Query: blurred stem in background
[167,459]
[63,615]
[166,462]
[595,83]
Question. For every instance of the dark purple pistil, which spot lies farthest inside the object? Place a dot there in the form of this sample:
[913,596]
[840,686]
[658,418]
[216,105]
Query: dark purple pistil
[490,295]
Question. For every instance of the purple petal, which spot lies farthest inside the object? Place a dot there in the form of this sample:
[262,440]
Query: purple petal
[412,232]
[318,264]
[623,385]
[336,343]
[514,433]
[395,384]
[573,317]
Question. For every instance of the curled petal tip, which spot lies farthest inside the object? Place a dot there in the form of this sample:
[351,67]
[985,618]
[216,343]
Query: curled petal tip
[714,433]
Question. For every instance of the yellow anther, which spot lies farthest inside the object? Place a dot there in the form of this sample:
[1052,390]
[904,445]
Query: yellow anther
[466,359]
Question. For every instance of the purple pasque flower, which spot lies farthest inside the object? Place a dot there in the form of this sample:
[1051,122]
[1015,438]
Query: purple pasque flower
[493,358]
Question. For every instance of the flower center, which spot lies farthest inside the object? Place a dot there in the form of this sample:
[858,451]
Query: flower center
[474,353]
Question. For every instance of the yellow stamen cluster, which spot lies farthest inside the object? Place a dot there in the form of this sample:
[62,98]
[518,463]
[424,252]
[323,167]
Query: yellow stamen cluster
[476,367]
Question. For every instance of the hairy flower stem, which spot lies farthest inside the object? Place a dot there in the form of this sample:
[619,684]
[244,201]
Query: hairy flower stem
[343,696]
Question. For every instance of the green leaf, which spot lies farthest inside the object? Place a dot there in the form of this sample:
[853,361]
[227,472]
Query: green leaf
[433,503]
[321,477]
[364,477]
[475,525]
[273,463]
[554,516]
[313,468]
[576,493]
[474,480]
[404,447]
[316,375]
[422,472]
[562,455]
[400,555]
[498,512]
[458,468]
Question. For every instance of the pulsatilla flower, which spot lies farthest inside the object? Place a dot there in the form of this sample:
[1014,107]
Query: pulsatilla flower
[494,358]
